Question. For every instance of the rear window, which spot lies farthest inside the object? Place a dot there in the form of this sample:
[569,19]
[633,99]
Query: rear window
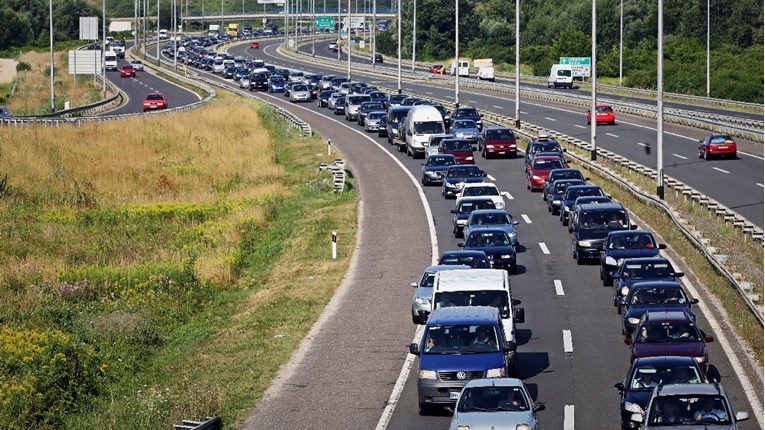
[564,72]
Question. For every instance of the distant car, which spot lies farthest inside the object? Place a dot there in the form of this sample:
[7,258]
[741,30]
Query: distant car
[460,148]
[625,244]
[461,213]
[542,143]
[556,192]
[339,108]
[482,189]
[594,222]
[396,99]
[424,293]
[554,175]
[276,84]
[647,373]
[300,93]
[5,113]
[497,246]
[434,141]
[717,145]
[669,333]
[495,403]
[436,68]
[365,108]
[378,58]
[323,98]
[497,141]
[154,101]
[474,259]
[492,218]
[127,71]
[254,45]
[605,115]
[654,296]
[572,193]
[259,81]
[382,127]
[332,46]
[333,98]
[137,64]
[465,129]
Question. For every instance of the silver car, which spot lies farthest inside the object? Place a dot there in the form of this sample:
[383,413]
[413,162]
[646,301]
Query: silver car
[137,64]
[244,81]
[495,403]
[372,121]
[434,141]
[333,98]
[300,93]
[421,299]
[352,104]
[691,407]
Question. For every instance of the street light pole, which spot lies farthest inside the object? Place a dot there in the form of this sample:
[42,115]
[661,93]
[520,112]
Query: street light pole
[456,53]
[621,38]
[374,32]
[174,23]
[348,31]
[414,33]
[660,107]
[399,46]
[518,63]
[103,44]
[708,23]
[339,31]
[593,104]
[159,62]
[313,28]
[52,86]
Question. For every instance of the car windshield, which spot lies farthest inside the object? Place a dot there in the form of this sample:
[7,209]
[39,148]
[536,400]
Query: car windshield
[277,80]
[560,187]
[297,88]
[473,260]
[668,333]
[648,377]
[566,174]
[376,115]
[548,164]
[154,97]
[456,145]
[370,106]
[632,241]
[499,134]
[464,123]
[493,399]
[691,410]
[438,160]
[599,220]
[648,270]
[481,190]
[573,193]
[461,339]
[397,98]
[547,146]
[487,239]
[464,172]
[428,127]
[471,205]
[657,296]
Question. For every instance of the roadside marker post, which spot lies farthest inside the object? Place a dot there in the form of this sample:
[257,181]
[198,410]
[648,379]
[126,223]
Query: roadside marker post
[334,245]
[329,147]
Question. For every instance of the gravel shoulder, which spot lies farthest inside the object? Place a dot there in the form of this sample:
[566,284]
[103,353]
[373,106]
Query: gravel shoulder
[7,70]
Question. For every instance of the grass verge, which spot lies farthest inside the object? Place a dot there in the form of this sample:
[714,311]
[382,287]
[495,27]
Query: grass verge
[164,274]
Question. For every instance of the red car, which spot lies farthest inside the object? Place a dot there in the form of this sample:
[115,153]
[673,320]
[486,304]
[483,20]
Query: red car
[254,45]
[127,71]
[497,141]
[461,149]
[539,168]
[605,115]
[437,68]
[154,101]
[717,144]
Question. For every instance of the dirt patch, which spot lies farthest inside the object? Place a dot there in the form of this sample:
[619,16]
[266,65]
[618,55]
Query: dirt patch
[7,70]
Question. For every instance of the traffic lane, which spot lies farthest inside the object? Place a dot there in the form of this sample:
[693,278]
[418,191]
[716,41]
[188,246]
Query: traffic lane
[356,356]
[616,374]
[322,49]
[144,83]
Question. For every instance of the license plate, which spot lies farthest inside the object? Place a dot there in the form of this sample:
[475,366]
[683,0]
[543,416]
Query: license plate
[722,147]
[501,152]
[454,395]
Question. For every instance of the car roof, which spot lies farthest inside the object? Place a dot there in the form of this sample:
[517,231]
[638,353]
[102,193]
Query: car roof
[628,232]
[713,389]
[480,184]
[601,207]
[663,360]
[472,280]
[439,267]
[490,211]
[646,260]
[464,314]
[494,382]
[464,252]
[476,199]
[665,315]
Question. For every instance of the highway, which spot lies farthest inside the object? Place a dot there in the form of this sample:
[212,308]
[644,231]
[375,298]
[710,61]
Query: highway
[346,371]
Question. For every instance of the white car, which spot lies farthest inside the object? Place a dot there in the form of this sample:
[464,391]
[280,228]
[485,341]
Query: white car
[137,64]
[300,93]
[372,121]
[482,189]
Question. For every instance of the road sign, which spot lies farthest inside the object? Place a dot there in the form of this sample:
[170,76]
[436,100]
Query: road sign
[89,28]
[85,62]
[324,22]
[580,66]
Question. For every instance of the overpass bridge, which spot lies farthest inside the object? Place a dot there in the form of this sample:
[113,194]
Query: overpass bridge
[386,13]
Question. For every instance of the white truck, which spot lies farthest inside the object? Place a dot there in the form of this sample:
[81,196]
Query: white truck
[461,67]
[480,287]
[110,60]
[561,75]
[163,33]
[485,68]
[422,122]
[213,30]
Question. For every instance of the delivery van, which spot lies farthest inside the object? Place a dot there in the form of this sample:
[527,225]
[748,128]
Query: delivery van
[422,122]
[560,76]
[110,60]
[461,67]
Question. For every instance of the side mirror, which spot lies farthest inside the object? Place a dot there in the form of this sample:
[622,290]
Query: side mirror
[662,246]
[694,301]
[520,316]
[414,284]
[679,274]
[461,245]
[510,346]
[414,349]
[742,416]
[628,340]
[633,227]
[586,179]
[541,406]
[516,222]
[515,302]
[619,386]
[709,339]
[454,211]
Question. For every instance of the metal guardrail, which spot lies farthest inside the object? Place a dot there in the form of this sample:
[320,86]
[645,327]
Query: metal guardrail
[715,207]
[210,423]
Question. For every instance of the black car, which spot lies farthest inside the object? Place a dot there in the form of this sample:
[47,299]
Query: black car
[625,244]
[379,96]
[497,246]
[468,113]
[645,374]
[378,58]
[542,144]
[259,81]
[396,99]
[555,174]
[457,176]
[594,223]
[571,194]
[653,296]
[382,129]
[445,115]
[557,191]
[435,166]
[634,270]
[323,98]
[467,205]
[340,107]
[367,107]
[409,101]
[473,259]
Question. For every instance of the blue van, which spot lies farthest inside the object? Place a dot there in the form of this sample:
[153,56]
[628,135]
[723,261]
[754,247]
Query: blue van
[459,344]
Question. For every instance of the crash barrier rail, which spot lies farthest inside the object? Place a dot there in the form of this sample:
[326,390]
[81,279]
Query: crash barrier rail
[716,208]
[116,100]
[210,423]
[337,168]
[745,128]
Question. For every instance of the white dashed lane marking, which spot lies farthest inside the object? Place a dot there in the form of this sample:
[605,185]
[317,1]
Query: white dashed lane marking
[491,178]
[507,195]
[526,218]
[558,287]
[611,134]
[642,144]
[568,417]
[760,185]
[551,119]
[544,248]
[568,345]
[579,126]
[525,113]
[498,107]
[679,156]
[720,170]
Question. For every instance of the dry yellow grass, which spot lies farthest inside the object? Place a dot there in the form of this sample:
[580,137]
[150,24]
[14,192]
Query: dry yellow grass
[33,90]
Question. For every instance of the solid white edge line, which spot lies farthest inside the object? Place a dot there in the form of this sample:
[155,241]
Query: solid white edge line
[568,417]
[491,178]
[545,250]
[508,195]
[679,156]
[568,343]
[759,184]
[558,287]
[642,144]
[526,218]
[720,170]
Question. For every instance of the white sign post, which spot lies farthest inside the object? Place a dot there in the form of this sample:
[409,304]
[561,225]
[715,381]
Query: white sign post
[334,245]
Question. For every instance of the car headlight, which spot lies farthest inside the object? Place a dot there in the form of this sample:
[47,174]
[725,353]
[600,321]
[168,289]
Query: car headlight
[468,158]
[427,374]
[557,201]
[423,301]
[450,185]
[536,178]
[701,359]
[633,407]
[611,261]
[566,209]
[430,173]
[461,222]
[585,243]
[624,291]
[505,256]
[512,235]
[634,321]
[489,146]
[462,427]
[499,372]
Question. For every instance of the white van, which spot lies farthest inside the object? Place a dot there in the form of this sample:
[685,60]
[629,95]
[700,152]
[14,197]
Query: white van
[422,122]
[479,287]
[560,76]
[110,60]
[460,67]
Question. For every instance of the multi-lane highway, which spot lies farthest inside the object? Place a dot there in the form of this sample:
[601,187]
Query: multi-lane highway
[348,367]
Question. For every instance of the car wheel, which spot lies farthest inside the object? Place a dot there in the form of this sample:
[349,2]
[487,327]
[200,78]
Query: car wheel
[707,156]
[549,208]
[416,319]
[528,185]
[424,409]
[513,269]
[579,259]
[423,181]
[607,280]
[701,154]
[618,309]
[612,123]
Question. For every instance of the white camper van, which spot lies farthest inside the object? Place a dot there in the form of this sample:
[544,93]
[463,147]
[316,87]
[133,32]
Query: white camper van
[110,60]
[461,67]
[560,76]
[485,69]
[422,122]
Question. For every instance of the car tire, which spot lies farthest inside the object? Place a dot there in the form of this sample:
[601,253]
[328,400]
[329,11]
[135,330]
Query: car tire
[549,208]
[513,269]
[607,279]
[707,157]
[416,319]
[618,309]
[579,259]
[423,409]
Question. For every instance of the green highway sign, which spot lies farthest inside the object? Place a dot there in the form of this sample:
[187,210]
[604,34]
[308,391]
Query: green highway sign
[325,22]
[575,61]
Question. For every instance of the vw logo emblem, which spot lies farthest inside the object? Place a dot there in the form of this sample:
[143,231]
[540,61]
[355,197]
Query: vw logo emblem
[461,375]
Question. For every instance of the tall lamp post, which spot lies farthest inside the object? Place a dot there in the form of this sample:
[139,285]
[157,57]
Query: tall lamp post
[660,107]
[339,31]
[374,32]
[399,46]
[621,38]
[52,86]
[414,32]
[348,32]
[593,104]
[456,53]
[518,63]
[103,45]
[158,59]
[708,48]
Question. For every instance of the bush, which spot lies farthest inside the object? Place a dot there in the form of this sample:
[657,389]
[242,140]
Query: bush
[22,66]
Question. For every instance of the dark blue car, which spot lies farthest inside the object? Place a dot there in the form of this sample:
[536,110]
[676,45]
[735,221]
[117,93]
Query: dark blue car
[571,194]
[276,84]
[474,259]
[653,296]
[625,244]
[497,246]
[466,207]
[457,176]
[634,270]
